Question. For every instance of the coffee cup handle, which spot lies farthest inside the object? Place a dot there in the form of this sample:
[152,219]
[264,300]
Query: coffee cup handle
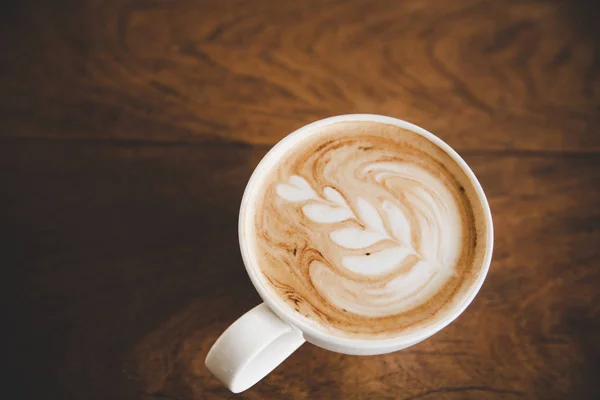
[251,347]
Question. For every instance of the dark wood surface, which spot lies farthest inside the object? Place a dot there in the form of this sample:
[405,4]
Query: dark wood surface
[128,130]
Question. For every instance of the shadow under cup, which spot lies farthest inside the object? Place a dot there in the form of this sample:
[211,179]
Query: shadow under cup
[316,332]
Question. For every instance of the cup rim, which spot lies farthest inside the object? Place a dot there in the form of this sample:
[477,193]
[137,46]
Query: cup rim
[304,324]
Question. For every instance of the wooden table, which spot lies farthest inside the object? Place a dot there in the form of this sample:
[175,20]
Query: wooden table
[128,132]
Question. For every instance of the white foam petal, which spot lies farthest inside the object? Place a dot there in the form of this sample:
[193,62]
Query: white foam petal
[326,214]
[292,193]
[333,195]
[437,216]
[369,216]
[376,263]
[300,183]
[355,238]
[399,223]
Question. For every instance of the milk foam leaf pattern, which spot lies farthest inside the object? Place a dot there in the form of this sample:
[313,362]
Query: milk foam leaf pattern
[329,210]
[334,208]
[296,190]
[355,238]
[377,263]
[384,230]
[326,214]
[370,217]
[398,223]
[432,210]
[429,213]
[336,197]
[371,262]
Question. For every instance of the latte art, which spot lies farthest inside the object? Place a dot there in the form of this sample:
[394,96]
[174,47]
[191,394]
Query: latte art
[368,230]
[418,272]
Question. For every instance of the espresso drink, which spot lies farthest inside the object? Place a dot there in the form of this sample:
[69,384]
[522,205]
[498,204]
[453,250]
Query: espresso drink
[366,229]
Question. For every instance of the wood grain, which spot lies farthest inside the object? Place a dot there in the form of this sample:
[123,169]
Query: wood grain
[133,271]
[128,130]
[481,74]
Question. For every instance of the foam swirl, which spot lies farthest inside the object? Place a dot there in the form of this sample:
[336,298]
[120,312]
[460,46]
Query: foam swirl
[366,223]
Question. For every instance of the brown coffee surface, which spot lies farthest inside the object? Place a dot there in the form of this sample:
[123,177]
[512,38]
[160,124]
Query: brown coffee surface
[366,229]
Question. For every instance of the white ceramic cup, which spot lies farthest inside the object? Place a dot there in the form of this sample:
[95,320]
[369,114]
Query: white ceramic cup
[266,335]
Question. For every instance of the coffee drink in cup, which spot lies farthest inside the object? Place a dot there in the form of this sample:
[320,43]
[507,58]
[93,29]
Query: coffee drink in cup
[366,230]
